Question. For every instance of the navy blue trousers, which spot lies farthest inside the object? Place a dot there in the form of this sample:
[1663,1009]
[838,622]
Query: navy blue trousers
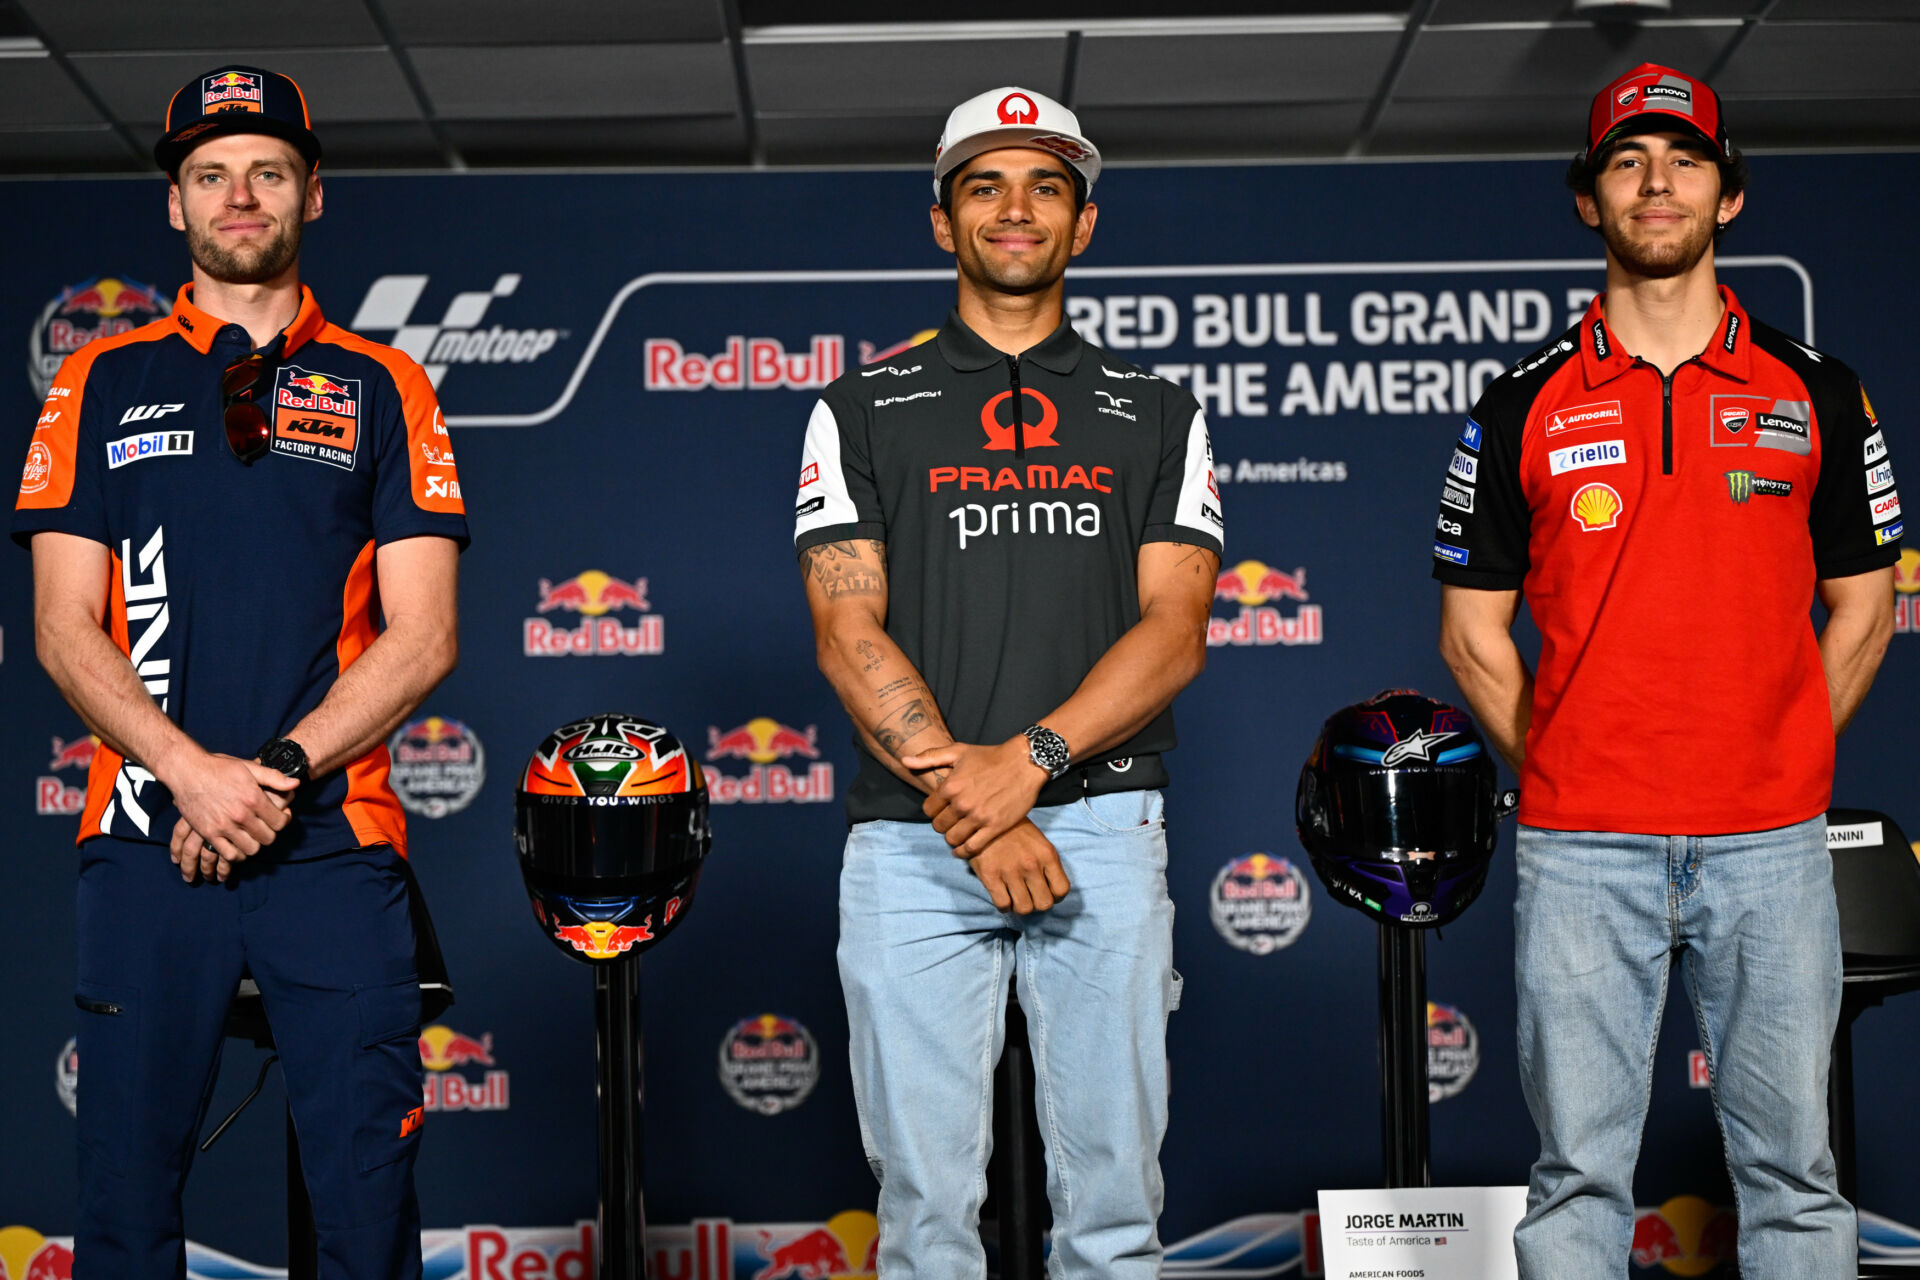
[330,943]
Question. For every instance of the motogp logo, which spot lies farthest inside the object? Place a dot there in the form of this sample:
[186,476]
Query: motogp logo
[1018,108]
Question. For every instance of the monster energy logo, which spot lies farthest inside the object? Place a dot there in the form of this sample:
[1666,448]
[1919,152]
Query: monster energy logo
[1742,485]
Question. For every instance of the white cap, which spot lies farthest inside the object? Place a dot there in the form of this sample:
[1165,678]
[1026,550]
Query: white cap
[1013,117]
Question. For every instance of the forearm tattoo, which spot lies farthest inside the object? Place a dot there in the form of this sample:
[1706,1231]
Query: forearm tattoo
[903,726]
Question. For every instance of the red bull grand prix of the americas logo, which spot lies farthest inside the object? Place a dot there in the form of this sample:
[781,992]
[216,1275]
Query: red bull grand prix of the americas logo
[1253,586]
[449,1056]
[54,796]
[764,743]
[599,598]
[86,312]
[25,1254]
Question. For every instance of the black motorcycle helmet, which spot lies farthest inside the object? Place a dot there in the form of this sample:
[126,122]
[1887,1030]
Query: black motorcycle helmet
[610,819]
[1397,808]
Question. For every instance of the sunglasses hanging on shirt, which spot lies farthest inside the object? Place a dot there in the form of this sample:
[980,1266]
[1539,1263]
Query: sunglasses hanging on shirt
[246,421]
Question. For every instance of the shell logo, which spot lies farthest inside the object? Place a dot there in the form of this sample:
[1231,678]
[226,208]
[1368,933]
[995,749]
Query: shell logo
[1596,506]
[1906,573]
[1018,108]
[25,1254]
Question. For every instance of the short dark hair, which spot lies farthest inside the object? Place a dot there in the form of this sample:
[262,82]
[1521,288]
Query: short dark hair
[1582,172]
[1080,192]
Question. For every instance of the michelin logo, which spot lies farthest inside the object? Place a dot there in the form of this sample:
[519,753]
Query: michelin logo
[1451,554]
[153,444]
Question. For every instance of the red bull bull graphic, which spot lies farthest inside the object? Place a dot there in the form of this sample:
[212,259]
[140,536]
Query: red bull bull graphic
[1453,1051]
[102,307]
[1260,903]
[594,595]
[769,1063]
[449,1056]
[438,766]
[1906,592]
[1686,1236]
[604,939]
[1254,586]
[827,1252]
[745,364]
[53,796]
[25,1254]
[763,743]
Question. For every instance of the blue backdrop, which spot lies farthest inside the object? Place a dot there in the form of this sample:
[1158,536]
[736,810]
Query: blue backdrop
[626,363]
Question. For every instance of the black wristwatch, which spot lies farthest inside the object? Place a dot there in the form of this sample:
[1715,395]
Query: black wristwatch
[1047,749]
[286,756]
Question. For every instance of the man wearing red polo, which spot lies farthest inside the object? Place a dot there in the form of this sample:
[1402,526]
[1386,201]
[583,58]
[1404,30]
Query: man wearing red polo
[1671,484]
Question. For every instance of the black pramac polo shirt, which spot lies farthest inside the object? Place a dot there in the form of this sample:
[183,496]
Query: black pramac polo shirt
[1012,540]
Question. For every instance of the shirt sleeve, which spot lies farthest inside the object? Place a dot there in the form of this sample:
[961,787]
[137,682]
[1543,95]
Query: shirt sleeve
[838,498]
[60,482]
[1854,517]
[1480,537]
[1186,499]
[416,486]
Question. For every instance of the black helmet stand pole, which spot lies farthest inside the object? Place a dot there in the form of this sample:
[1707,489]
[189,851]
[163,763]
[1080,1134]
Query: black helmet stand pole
[1403,1056]
[623,1222]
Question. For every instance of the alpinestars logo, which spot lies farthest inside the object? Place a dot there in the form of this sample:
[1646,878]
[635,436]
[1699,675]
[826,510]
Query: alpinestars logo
[458,338]
[1419,747]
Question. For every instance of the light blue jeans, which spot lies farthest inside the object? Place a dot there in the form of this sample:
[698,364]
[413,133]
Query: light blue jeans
[1751,918]
[925,958]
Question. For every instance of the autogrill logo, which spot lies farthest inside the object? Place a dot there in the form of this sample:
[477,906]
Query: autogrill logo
[458,338]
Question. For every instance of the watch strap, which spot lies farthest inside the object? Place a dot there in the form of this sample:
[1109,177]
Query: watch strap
[1048,750]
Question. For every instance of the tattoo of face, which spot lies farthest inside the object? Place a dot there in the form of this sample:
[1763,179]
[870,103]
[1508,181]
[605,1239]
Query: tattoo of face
[900,728]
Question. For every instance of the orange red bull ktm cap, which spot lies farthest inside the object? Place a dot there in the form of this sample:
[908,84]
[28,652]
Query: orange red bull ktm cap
[1013,117]
[235,99]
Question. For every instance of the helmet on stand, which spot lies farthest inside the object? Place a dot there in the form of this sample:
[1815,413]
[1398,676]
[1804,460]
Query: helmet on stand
[1398,808]
[610,819]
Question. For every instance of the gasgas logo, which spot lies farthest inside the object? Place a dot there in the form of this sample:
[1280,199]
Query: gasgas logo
[25,1254]
[450,1058]
[764,743]
[598,596]
[1259,623]
[1906,592]
[53,796]
[86,312]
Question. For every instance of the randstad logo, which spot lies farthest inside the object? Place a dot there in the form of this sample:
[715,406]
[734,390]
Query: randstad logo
[457,338]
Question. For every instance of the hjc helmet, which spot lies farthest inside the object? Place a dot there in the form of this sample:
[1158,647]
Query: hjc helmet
[1397,808]
[610,818]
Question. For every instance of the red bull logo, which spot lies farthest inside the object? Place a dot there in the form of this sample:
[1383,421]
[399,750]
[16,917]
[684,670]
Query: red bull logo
[102,307]
[1253,586]
[25,1254]
[1453,1051]
[230,91]
[826,1252]
[763,742]
[594,595]
[444,1052]
[603,939]
[1686,1236]
[1906,592]
[745,364]
[77,754]
[53,797]
[317,392]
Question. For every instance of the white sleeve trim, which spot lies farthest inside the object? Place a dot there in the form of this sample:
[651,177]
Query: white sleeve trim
[1199,506]
[823,500]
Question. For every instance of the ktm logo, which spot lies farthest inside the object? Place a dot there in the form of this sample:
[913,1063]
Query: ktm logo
[410,1123]
[316,427]
[1018,108]
[1033,435]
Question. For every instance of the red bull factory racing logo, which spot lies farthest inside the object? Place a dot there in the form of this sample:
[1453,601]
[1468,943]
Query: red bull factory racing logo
[1254,587]
[450,1058]
[769,1064]
[98,308]
[53,796]
[595,596]
[1260,903]
[438,765]
[764,743]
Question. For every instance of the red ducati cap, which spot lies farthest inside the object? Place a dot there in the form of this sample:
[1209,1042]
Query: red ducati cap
[235,99]
[1655,97]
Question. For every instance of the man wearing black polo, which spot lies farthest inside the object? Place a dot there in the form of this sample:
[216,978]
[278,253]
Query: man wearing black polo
[1010,541]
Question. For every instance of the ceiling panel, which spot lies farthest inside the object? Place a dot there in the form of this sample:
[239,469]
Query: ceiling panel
[35,91]
[847,77]
[1223,132]
[1788,122]
[87,25]
[399,144]
[1572,61]
[760,13]
[1835,10]
[1841,60]
[1546,126]
[541,144]
[88,149]
[578,81]
[429,22]
[1121,71]
[339,84]
[897,138]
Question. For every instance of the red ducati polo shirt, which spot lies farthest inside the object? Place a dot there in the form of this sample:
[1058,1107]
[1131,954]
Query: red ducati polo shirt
[1668,534]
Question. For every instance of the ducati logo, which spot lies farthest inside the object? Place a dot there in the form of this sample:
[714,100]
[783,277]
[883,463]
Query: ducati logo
[1034,435]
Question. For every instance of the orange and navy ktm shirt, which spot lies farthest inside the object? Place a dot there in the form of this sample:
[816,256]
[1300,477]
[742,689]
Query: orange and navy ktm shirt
[241,592]
[1668,533]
